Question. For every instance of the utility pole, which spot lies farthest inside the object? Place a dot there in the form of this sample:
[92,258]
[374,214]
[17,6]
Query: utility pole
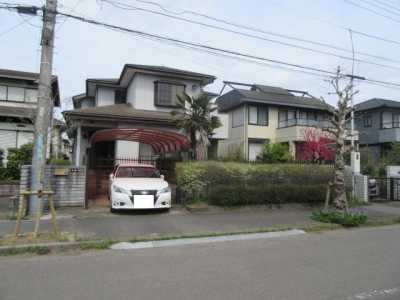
[45,104]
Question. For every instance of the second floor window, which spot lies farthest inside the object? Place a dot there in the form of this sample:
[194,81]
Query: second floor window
[258,115]
[17,94]
[120,96]
[367,121]
[165,93]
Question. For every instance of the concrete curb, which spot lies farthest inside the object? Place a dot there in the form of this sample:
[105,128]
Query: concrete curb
[204,240]
[56,246]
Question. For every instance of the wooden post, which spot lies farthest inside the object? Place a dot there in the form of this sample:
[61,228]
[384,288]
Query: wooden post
[21,206]
[38,215]
[328,195]
[53,215]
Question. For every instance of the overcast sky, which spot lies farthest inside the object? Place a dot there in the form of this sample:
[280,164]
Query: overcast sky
[87,51]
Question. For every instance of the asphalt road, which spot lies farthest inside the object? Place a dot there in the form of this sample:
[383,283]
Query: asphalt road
[350,265]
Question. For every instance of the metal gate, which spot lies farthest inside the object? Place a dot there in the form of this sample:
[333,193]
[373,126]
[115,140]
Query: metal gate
[384,189]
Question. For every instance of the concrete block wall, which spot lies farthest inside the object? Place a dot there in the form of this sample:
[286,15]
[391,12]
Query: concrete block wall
[8,189]
[69,188]
[361,187]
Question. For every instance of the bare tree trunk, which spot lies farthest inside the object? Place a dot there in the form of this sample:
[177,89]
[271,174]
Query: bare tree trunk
[340,200]
[193,142]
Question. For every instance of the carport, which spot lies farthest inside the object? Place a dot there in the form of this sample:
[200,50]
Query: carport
[161,142]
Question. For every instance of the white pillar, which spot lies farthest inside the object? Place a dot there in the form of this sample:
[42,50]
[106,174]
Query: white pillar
[78,145]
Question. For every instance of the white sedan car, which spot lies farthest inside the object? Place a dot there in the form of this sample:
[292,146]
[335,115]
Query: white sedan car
[138,186]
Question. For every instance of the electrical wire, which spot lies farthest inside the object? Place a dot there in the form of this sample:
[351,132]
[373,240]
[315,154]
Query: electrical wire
[14,27]
[232,53]
[125,6]
[372,11]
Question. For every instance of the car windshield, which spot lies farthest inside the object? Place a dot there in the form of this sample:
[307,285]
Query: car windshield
[136,172]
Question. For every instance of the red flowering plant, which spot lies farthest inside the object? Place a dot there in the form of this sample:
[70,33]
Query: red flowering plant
[317,146]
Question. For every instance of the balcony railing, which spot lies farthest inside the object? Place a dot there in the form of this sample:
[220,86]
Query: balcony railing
[391,124]
[304,122]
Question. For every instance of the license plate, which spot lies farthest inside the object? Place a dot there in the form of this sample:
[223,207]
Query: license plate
[143,201]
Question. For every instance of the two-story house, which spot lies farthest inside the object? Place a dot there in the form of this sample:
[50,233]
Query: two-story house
[378,123]
[18,104]
[130,116]
[258,114]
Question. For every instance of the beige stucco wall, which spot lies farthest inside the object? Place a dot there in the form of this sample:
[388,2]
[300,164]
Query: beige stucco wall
[234,144]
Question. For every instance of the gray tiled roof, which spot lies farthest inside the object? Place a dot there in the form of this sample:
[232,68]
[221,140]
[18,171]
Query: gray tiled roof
[120,111]
[271,96]
[168,70]
[376,103]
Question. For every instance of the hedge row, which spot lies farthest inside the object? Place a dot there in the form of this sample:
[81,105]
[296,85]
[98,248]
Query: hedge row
[231,184]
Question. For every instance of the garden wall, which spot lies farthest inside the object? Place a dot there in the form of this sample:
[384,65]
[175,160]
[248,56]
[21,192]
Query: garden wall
[67,182]
[230,184]
[9,188]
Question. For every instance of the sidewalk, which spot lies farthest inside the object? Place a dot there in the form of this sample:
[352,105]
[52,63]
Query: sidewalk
[101,224]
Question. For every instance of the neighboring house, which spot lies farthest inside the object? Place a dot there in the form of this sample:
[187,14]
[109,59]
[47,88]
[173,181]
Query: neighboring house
[261,114]
[60,144]
[378,123]
[140,99]
[18,103]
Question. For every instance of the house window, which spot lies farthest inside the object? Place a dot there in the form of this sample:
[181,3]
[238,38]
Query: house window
[166,93]
[16,94]
[120,96]
[237,117]
[396,120]
[258,115]
[31,95]
[3,92]
[367,121]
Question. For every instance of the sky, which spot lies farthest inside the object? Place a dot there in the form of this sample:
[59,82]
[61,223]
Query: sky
[87,51]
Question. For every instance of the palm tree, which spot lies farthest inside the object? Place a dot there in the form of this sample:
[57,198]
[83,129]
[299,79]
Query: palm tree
[194,116]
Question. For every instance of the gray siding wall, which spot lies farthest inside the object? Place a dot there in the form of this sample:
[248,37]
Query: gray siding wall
[368,135]
[69,189]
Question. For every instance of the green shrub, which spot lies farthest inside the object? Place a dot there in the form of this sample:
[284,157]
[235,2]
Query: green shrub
[345,219]
[232,184]
[16,158]
[275,153]
[59,162]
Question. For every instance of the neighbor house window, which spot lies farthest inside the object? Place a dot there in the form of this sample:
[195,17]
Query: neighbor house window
[237,117]
[3,92]
[120,96]
[31,95]
[16,94]
[367,121]
[258,115]
[166,94]
[396,120]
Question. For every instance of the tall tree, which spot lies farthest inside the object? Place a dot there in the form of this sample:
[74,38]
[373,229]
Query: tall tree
[344,90]
[194,115]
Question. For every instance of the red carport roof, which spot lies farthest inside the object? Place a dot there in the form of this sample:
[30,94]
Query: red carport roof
[160,140]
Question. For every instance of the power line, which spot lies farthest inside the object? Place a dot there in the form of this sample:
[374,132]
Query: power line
[125,6]
[225,52]
[215,49]
[78,2]
[388,4]
[14,27]
[372,11]
[381,7]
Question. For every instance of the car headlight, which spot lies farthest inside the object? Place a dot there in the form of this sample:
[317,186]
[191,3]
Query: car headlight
[167,189]
[121,190]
